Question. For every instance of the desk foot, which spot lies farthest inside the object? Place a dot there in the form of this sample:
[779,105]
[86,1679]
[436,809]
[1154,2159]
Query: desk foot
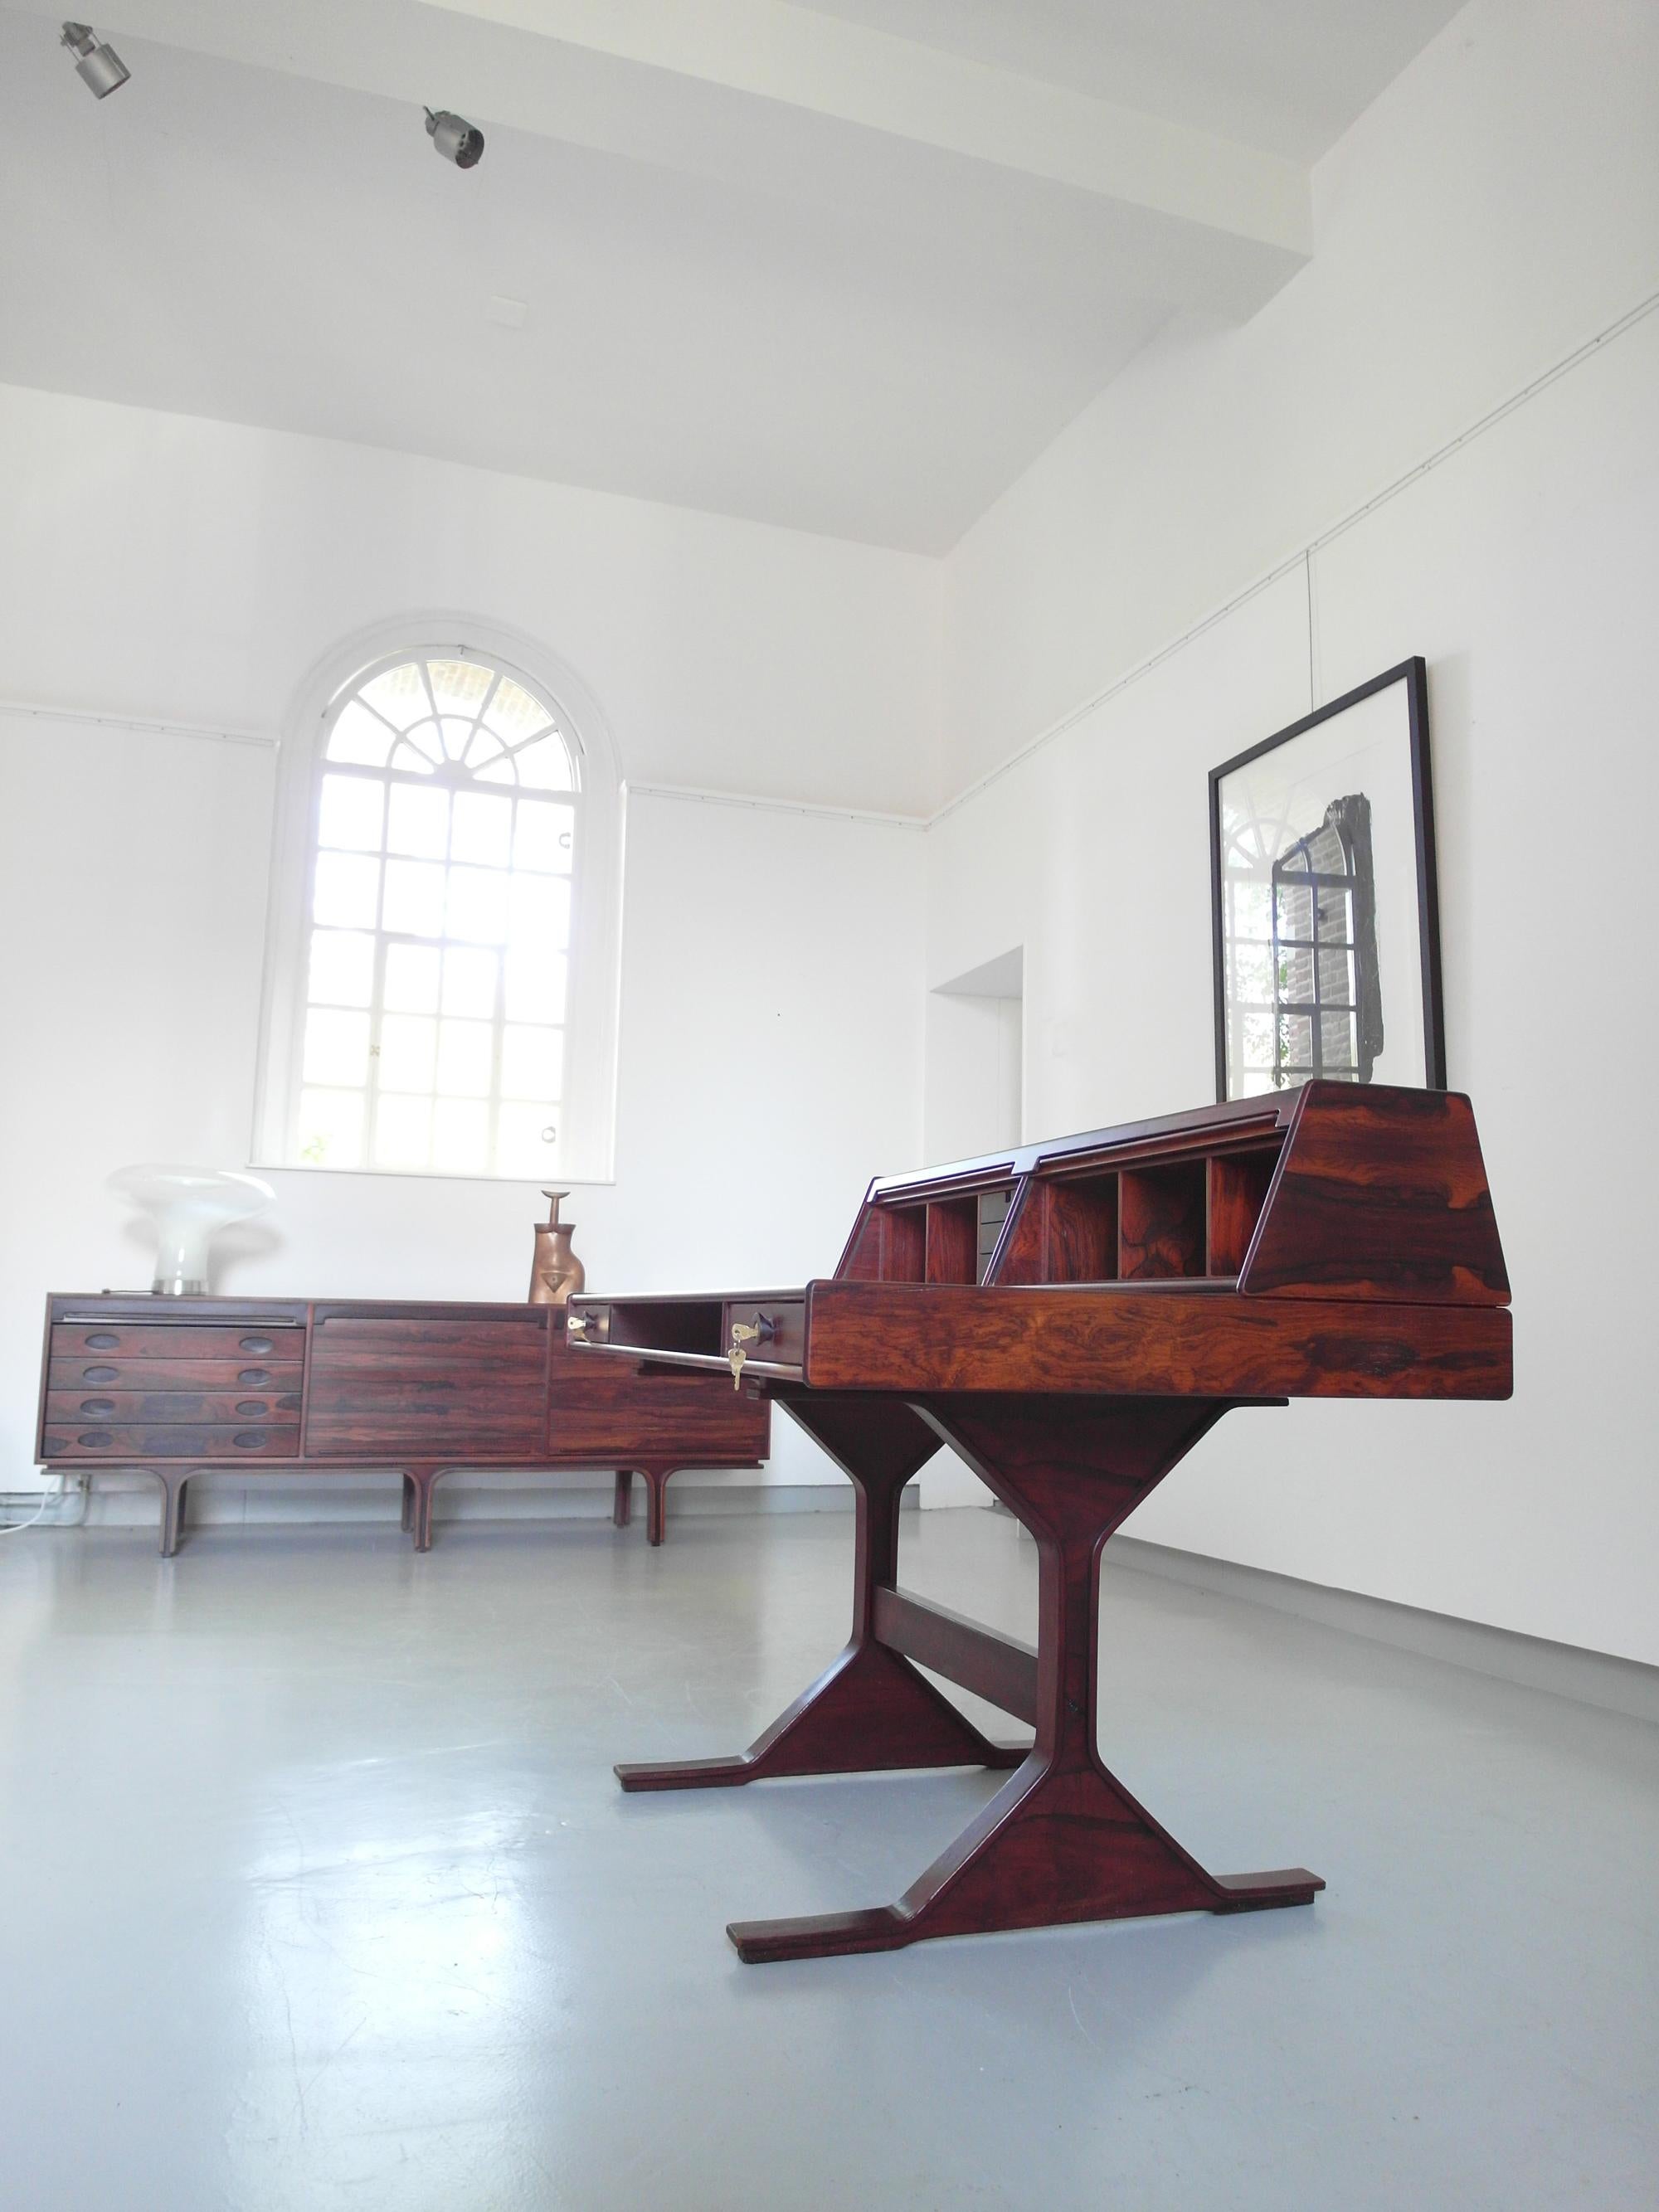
[872,1710]
[890,1928]
[1057,1844]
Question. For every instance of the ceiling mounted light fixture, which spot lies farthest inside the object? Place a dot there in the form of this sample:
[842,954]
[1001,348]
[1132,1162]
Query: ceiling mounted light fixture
[455,138]
[95,64]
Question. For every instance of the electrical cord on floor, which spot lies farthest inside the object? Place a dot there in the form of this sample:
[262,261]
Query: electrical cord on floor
[50,1497]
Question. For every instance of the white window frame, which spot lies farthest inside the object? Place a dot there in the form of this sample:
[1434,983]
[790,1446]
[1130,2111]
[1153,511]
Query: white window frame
[587,1152]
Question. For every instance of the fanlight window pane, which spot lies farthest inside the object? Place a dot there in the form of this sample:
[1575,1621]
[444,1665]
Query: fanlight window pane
[399,694]
[513,714]
[421,751]
[459,687]
[360,736]
[351,812]
[545,765]
[433,1034]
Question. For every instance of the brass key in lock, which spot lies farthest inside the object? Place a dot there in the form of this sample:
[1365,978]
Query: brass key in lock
[744,1334]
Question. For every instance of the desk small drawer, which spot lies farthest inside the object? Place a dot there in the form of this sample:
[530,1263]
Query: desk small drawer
[140,1441]
[102,1372]
[169,1408]
[177,1340]
[783,1323]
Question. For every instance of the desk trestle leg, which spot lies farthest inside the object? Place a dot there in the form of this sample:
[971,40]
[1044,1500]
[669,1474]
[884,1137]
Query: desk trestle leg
[1062,1840]
[870,1709]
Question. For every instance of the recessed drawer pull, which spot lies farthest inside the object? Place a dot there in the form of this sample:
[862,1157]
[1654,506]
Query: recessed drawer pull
[94,1440]
[99,1374]
[249,1439]
[243,1406]
[257,1343]
[103,1340]
[253,1375]
[97,1407]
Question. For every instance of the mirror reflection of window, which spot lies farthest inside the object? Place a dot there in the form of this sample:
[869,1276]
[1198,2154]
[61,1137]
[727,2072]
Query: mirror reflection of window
[1326,1000]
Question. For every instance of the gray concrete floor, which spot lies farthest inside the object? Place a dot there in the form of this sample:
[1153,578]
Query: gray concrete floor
[319,1893]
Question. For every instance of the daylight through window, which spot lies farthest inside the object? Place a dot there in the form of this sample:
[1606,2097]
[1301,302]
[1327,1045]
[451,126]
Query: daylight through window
[445,829]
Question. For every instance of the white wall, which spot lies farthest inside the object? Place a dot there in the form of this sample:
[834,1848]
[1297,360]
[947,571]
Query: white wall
[161,567]
[131,889]
[181,570]
[1496,207]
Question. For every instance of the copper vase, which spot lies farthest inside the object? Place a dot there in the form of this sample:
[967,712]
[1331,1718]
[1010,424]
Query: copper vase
[556,1271]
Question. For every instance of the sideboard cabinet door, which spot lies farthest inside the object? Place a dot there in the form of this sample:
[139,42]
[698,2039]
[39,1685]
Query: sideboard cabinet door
[407,1388]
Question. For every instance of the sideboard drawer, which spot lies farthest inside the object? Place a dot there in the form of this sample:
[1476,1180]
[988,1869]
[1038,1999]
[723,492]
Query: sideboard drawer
[198,1341]
[128,1408]
[202,1440]
[100,1372]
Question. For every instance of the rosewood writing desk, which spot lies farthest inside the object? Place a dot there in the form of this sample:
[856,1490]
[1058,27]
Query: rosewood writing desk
[178,1387]
[1072,1318]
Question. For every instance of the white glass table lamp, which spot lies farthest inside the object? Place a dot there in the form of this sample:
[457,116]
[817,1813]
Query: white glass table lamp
[189,1207]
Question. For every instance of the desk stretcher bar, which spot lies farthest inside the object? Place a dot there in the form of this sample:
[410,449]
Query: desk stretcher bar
[1072,1319]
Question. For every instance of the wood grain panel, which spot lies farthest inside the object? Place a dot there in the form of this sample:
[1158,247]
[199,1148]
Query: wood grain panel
[1144,1339]
[127,1408]
[120,1340]
[203,1440]
[93,1373]
[1160,1221]
[1381,1194]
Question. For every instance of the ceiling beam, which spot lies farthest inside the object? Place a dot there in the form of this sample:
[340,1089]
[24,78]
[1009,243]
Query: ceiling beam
[779,99]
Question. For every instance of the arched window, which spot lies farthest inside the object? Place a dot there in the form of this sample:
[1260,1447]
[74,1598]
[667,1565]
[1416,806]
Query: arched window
[439,969]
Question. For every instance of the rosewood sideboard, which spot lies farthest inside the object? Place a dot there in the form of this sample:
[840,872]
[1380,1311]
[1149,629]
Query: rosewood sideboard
[1073,1318]
[179,1387]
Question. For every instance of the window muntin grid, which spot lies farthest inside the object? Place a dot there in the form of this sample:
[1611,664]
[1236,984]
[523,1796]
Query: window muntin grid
[438,926]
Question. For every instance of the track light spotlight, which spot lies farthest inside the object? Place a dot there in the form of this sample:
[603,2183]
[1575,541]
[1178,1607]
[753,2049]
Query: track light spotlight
[95,64]
[455,138]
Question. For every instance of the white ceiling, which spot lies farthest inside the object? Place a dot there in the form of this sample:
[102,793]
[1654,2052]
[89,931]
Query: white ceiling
[826,277]
[1288,76]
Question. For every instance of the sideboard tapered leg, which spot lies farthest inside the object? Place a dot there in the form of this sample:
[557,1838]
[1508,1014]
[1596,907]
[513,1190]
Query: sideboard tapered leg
[172,1481]
[422,1481]
[622,1510]
[408,1505]
[656,1516]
